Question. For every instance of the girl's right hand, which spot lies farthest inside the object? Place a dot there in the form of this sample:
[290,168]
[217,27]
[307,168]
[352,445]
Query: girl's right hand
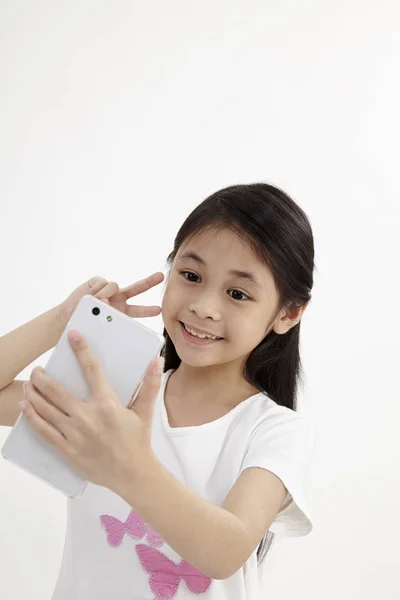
[109,292]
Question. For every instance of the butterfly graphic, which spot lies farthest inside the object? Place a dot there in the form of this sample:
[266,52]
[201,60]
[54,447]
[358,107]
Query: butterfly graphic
[134,525]
[166,575]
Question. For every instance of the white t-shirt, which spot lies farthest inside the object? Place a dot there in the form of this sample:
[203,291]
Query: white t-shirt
[110,552]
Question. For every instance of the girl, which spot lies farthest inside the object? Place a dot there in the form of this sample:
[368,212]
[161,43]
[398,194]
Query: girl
[189,484]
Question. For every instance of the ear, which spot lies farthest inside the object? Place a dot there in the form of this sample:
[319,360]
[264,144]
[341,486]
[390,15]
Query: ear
[288,318]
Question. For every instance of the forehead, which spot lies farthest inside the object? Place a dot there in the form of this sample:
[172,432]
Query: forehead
[224,242]
[226,253]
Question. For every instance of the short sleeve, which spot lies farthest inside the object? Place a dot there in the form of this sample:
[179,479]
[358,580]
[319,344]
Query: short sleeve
[284,443]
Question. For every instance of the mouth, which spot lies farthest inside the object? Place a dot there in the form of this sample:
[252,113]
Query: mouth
[196,340]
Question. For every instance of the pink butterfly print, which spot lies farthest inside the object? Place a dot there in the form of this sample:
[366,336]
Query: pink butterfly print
[134,525]
[166,575]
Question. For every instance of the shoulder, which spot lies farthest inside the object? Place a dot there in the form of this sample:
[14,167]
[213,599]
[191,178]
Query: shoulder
[280,431]
[269,420]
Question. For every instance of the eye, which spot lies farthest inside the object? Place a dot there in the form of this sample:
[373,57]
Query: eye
[184,273]
[239,292]
[190,273]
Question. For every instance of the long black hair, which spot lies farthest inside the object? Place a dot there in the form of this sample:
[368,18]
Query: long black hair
[279,233]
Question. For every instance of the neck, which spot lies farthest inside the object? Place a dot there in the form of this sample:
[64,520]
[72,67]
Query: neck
[224,384]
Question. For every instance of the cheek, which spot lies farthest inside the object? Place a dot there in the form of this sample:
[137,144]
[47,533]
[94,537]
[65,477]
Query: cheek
[258,332]
[164,304]
[249,330]
[170,305]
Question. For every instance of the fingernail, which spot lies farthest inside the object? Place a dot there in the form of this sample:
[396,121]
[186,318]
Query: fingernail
[158,367]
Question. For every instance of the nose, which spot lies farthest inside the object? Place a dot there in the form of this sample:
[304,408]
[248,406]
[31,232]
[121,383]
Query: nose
[205,308]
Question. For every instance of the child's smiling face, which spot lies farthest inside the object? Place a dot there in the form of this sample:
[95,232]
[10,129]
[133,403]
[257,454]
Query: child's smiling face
[212,299]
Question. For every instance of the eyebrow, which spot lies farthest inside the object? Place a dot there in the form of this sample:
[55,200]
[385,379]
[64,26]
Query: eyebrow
[247,275]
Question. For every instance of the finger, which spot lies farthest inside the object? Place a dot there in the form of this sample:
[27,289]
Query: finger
[142,311]
[144,403]
[108,290]
[94,375]
[54,393]
[46,411]
[44,429]
[95,283]
[92,286]
[142,285]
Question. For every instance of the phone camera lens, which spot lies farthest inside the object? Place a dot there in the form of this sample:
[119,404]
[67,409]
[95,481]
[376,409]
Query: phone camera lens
[96,311]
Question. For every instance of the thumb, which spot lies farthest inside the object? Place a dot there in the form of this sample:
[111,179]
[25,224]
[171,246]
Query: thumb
[144,402]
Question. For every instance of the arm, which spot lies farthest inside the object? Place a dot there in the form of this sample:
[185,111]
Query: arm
[20,348]
[215,540]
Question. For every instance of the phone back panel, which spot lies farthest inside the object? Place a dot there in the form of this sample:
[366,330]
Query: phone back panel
[123,347]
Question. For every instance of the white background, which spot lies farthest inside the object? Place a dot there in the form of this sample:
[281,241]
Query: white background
[116,119]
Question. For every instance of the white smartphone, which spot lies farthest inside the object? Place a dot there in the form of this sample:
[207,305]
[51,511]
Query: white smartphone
[123,347]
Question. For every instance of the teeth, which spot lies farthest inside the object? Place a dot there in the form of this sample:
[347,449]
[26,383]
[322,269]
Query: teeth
[200,335]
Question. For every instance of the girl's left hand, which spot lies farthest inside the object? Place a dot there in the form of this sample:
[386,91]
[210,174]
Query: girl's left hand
[106,442]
